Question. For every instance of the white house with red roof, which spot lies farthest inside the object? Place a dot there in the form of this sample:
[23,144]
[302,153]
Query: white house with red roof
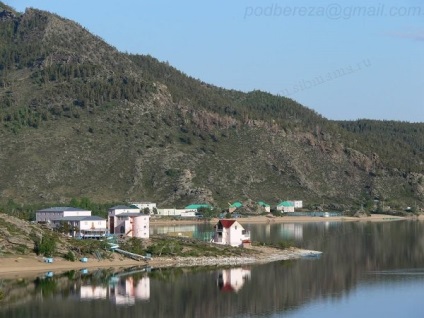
[230,232]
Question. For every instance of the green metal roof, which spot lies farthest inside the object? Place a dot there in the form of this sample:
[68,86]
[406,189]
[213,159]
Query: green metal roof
[286,204]
[198,206]
[236,204]
[262,203]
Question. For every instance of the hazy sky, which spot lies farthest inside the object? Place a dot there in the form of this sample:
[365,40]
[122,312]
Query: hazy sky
[346,59]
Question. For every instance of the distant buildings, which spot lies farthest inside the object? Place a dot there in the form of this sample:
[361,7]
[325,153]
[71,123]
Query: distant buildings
[297,204]
[285,207]
[265,206]
[234,206]
[190,211]
[144,205]
[177,212]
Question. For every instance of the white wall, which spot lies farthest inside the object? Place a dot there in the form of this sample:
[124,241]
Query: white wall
[113,212]
[88,225]
[177,212]
[143,205]
[76,213]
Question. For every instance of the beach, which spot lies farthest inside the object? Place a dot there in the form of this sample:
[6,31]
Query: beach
[25,266]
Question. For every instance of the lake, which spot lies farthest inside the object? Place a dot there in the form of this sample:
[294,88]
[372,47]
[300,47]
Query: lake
[366,269]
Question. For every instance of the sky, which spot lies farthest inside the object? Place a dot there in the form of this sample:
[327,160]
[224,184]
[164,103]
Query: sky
[344,59]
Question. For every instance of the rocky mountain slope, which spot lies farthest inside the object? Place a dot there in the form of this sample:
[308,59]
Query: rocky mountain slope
[80,119]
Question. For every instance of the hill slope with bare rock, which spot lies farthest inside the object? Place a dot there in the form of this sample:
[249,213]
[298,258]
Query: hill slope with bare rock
[80,119]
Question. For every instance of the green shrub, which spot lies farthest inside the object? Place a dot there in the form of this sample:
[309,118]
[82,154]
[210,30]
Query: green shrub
[70,256]
[46,246]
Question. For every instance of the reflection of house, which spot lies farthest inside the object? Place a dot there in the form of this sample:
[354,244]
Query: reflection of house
[232,280]
[128,221]
[174,229]
[54,213]
[93,292]
[128,289]
[285,207]
[290,231]
[230,232]
[83,226]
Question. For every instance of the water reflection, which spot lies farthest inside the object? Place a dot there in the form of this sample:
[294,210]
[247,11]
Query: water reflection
[292,231]
[126,290]
[232,280]
[356,256]
[93,292]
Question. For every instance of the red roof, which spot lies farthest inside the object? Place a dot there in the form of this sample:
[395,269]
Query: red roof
[227,223]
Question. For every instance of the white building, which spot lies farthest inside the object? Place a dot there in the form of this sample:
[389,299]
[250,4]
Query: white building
[128,221]
[285,207]
[230,232]
[297,204]
[177,212]
[54,213]
[119,209]
[83,226]
[144,205]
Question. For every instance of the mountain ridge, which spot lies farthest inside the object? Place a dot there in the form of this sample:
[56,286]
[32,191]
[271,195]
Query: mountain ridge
[79,118]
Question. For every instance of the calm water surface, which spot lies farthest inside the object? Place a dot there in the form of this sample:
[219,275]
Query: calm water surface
[367,269]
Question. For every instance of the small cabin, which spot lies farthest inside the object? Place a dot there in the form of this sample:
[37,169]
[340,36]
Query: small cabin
[230,232]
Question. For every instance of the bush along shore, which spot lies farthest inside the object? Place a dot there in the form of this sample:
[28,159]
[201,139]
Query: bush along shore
[165,251]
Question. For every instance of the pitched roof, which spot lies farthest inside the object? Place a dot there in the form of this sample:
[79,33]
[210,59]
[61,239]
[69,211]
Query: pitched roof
[123,207]
[61,209]
[286,203]
[133,214]
[262,203]
[227,223]
[236,204]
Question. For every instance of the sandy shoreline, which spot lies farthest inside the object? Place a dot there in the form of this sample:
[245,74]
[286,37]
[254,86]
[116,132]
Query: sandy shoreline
[284,219]
[26,266]
[30,266]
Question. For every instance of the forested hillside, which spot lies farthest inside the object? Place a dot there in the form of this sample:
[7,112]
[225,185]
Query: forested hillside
[79,119]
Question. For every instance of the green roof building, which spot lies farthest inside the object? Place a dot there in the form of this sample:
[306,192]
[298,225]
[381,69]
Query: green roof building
[198,206]
[236,205]
[285,206]
[263,204]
